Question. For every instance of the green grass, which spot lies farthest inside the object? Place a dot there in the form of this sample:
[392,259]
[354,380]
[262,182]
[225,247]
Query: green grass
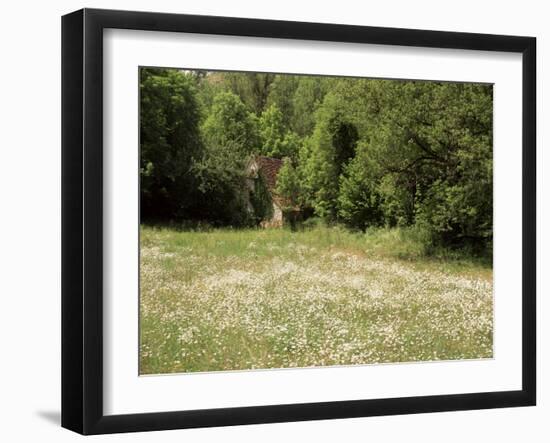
[245,299]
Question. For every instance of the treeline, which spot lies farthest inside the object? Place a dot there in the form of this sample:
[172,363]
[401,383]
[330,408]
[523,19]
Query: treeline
[359,152]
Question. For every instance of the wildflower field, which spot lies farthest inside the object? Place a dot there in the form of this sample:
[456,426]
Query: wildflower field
[251,299]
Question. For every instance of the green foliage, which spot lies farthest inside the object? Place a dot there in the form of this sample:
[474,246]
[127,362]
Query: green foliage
[275,140]
[208,87]
[252,88]
[435,141]
[361,152]
[231,136]
[331,146]
[169,141]
[397,200]
[261,200]
[319,174]
[288,186]
[221,184]
[281,94]
[229,122]
[308,96]
[359,201]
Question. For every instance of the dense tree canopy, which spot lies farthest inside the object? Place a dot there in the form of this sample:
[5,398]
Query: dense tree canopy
[359,152]
[276,140]
[170,141]
[229,121]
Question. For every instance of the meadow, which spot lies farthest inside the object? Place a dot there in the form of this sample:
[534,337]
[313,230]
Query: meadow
[226,299]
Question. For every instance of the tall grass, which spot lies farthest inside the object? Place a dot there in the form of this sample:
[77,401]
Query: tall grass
[406,243]
[227,299]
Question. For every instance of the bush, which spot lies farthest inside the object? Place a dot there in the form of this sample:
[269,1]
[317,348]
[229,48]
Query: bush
[314,223]
[261,201]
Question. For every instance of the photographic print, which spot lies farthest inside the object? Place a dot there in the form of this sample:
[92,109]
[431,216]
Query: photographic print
[321,211]
[293,221]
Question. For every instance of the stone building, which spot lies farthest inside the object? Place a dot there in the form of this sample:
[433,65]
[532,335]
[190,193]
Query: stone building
[269,169]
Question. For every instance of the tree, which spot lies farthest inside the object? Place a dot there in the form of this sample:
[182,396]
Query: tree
[230,123]
[359,151]
[209,85]
[359,203]
[288,186]
[331,146]
[169,141]
[275,140]
[281,94]
[252,88]
[308,96]
[221,184]
[435,140]
[261,200]
[230,136]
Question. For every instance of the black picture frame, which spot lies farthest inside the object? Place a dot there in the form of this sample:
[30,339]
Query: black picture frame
[82,218]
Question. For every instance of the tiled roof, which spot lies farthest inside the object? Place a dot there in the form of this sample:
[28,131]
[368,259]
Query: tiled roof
[269,167]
